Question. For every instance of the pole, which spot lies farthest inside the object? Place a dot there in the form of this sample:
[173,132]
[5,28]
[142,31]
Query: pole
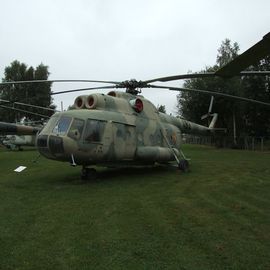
[234,129]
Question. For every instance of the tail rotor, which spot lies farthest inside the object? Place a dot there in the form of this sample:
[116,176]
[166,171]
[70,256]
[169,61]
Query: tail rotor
[210,114]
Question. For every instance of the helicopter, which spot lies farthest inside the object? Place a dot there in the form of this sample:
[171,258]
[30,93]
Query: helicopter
[16,142]
[14,136]
[125,129]
[12,140]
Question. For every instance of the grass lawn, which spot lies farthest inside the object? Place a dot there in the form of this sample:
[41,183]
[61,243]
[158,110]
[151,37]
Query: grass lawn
[217,216]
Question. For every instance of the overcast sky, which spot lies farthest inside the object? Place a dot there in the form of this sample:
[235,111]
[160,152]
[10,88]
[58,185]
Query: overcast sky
[121,39]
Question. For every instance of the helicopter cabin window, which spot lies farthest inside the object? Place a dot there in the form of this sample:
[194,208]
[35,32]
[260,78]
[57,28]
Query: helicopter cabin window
[76,129]
[62,125]
[94,130]
[50,125]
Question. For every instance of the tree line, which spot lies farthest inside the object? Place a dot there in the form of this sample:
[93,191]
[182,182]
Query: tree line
[239,118]
[37,94]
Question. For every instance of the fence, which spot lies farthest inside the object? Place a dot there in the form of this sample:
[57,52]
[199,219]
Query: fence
[242,142]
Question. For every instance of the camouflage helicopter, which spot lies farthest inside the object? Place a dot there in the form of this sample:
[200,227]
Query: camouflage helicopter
[124,128]
[18,135]
[14,141]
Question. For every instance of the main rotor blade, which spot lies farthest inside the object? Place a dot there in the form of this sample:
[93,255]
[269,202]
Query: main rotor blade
[56,81]
[233,68]
[211,93]
[205,75]
[247,58]
[83,89]
[24,111]
[182,76]
[29,105]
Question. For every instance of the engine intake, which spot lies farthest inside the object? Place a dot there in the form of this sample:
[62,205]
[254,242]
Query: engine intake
[80,101]
[136,104]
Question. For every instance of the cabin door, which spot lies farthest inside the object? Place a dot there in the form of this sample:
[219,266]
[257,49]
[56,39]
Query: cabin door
[124,137]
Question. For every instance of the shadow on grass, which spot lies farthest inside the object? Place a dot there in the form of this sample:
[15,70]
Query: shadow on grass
[24,149]
[132,172]
[116,174]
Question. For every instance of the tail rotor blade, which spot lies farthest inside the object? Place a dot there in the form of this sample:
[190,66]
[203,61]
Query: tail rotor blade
[211,104]
[204,116]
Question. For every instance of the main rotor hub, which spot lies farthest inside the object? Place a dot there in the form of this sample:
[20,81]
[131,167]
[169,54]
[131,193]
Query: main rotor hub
[132,86]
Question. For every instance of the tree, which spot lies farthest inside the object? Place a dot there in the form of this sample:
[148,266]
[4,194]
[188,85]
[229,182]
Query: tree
[193,105]
[227,52]
[257,87]
[38,94]
[161,108]
[249,119]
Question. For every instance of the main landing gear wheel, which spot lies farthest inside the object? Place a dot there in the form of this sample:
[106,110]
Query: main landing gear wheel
[88,173]
[183,165]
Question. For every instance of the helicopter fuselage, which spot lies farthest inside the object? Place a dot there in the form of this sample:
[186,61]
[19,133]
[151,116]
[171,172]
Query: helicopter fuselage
[113,129]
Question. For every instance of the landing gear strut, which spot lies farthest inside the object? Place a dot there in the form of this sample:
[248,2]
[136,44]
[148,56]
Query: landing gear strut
[88,173]
[182,164]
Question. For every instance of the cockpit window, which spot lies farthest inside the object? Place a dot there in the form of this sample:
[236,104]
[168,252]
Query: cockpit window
[62,125]
[76,129]
[94,130]
[50,125]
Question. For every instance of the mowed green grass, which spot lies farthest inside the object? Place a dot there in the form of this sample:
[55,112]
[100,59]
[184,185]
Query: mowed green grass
[217,216]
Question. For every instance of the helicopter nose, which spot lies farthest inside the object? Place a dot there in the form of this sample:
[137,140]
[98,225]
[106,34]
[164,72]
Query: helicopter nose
[50,145]
[56,145]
